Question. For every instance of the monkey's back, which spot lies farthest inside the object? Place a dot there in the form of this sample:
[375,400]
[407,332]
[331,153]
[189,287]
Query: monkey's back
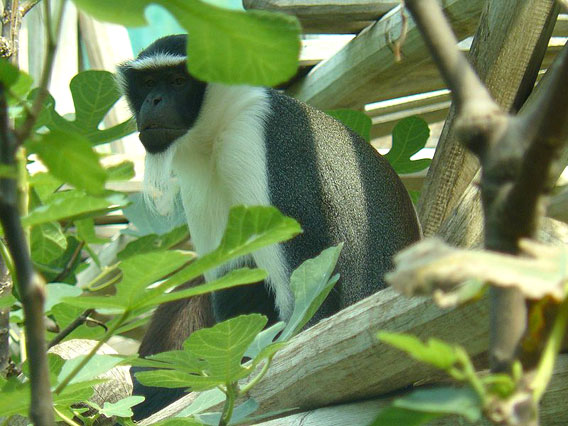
[340,190]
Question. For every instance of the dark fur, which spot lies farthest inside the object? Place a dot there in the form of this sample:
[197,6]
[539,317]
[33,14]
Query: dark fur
[320,173]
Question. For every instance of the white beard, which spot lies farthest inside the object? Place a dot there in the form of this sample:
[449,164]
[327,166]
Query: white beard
[160,186]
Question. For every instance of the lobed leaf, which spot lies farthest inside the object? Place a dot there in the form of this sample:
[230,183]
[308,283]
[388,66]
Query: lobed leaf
[70,158]
[408,137]
[226,46]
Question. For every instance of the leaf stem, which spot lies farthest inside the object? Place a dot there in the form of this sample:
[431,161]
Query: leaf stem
[5,253]
[550,352]
[232,392]
[92,353]
[246,388]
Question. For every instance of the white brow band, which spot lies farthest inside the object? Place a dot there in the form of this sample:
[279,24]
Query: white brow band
[157,61]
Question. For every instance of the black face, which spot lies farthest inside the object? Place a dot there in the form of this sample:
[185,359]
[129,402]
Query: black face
[165,99]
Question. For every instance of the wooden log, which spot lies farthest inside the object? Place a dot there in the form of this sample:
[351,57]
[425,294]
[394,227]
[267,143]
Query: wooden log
[431,106]
[357,73]
[552,409]
[340,359]
[328,16]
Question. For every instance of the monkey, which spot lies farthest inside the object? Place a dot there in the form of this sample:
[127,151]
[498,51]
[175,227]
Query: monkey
[219,145]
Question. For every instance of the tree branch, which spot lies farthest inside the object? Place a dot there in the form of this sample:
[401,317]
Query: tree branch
[515,153]
[30,285]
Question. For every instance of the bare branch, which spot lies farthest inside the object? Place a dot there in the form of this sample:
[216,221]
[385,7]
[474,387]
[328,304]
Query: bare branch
[30,285]
[81,319]
[52,30]
[440,39]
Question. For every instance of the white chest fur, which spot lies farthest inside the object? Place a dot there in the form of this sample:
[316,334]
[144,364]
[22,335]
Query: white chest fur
[221,162]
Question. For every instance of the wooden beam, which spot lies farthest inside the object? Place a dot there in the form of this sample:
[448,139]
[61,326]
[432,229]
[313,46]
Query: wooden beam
[552,408]
[432,106]
[340,359]
[361,71]
[507,53]
[561,27]
[328,16]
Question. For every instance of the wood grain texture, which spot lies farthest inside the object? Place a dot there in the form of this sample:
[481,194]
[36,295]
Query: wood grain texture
[552,408]
[359,73]
[507,51]
[328,16]
[340,359]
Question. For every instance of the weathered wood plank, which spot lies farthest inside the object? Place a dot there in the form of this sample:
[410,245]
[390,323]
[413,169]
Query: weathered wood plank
[507,52]
[328,16]
[359,72]
[340,360]
[552,410]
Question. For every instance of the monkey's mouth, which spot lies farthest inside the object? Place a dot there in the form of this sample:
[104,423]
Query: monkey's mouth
[158,139]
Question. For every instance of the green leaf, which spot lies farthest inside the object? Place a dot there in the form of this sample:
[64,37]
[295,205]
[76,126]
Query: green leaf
[154,242]
[138,272]
[18,82]
[56,292]
[263,339]
[210,356]
[175,360]
[173,379]
[256,47]
[204,401]
[68,260]
[7,301]
[227,46]
[408,137]
[311,282]
[129,13]
[223,346]
[391,416]
[47,242]
[15,398]
[97,365]
[73,205]
[70,158]
[459,401]
[248,229]
[76,393]
[122,171]
[122,408]
[86,231]
[357,121]
[233,278]
[94,93]
[45,184]
[434,352]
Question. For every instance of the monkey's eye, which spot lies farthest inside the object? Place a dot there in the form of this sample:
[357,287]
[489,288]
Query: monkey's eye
[179,81]
[149,82]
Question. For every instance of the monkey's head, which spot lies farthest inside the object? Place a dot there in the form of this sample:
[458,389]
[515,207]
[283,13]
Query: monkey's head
[164,98]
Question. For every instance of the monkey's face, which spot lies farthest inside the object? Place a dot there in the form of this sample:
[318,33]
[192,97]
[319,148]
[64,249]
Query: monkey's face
[165,101]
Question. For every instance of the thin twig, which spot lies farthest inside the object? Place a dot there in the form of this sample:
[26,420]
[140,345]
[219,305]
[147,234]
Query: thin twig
[81,319]
[70,263]
[52,36]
